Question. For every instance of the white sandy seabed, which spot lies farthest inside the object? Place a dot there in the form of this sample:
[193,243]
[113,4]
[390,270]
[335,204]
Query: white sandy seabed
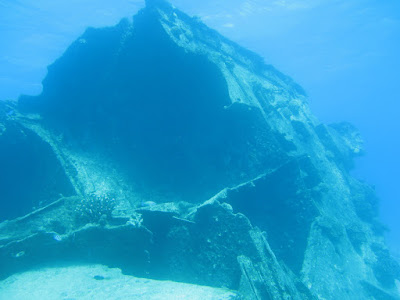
[100,282]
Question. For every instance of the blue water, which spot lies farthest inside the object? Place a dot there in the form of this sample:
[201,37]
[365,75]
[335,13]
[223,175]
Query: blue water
[344,54]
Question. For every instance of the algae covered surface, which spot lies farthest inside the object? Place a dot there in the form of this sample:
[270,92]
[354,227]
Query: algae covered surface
[163,149]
